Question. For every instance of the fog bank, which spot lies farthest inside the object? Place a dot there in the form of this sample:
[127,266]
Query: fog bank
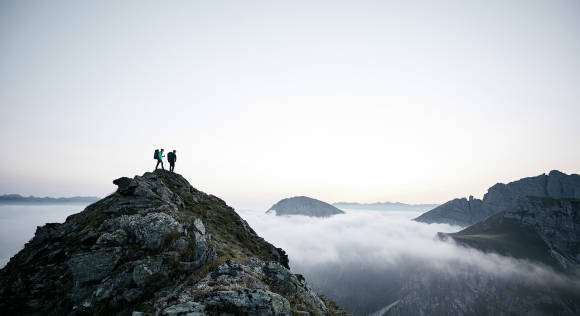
[363,258]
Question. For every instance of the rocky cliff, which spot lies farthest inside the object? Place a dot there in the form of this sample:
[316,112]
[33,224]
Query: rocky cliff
[302,205]
[541,230]
[465,212]
[545,230]
[157,246]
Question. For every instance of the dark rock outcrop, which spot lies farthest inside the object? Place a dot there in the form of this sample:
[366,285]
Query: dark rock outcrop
[302,205]
[157,246]
[465,212]
[541,230]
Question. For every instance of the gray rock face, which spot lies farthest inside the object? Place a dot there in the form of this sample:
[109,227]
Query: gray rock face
[148,230]
[302,205]
[537,229]
[475,293]
[545,230]
[254,288]
[463,212]
[94,265]
[131,252]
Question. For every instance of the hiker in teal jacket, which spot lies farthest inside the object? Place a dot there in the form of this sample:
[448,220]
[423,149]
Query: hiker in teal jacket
[160,160]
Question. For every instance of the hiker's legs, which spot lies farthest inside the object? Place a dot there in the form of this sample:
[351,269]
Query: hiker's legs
[158,162]
[171,166]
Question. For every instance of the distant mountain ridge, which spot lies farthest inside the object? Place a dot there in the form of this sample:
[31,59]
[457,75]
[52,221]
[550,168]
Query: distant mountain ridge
[385,206]
[303,205]
[19,199]
[499,197]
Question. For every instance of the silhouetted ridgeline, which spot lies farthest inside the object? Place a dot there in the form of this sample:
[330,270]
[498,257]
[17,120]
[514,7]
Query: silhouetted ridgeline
[19,199]
[385,206]
[158,246]
[465,212]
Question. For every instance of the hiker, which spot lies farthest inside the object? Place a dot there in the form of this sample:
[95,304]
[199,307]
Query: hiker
[159,156]
[172,158]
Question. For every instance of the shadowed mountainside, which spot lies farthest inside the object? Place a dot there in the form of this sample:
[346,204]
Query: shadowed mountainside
[542,230]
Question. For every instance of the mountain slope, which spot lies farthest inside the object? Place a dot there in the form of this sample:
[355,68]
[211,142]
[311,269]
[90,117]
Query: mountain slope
[541,229]
[464,212]
[302,205]
[158,246]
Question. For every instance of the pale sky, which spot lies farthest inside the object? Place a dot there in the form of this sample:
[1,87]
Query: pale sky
[418,102]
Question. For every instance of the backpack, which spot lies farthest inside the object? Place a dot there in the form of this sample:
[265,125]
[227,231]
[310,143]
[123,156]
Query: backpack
[170,157]
[156,154]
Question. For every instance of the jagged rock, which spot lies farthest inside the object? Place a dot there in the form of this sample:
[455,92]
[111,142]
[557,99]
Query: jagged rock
[541,229]
[189,308]
[144,249]
[499,197]
[116,238]
[149,231]
[145,269]
[94,265]
[254,287]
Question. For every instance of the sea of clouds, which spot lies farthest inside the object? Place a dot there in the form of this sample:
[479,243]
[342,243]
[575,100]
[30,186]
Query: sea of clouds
[18,224]
[363,258]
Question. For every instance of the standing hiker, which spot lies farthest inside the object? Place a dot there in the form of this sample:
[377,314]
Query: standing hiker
[172,158]
[159,156]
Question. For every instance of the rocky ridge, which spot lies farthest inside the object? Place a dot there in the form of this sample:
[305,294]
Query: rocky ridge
[157,246]
[540,229]
[465,212]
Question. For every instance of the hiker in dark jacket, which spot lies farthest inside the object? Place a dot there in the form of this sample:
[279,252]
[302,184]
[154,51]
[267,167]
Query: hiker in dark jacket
[172,158]
[160,159]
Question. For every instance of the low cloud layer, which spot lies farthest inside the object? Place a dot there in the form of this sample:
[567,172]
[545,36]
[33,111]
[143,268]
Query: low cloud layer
[365,253]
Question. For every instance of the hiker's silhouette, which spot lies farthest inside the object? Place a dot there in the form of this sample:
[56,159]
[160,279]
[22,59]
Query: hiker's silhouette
[159,156]
[172,158]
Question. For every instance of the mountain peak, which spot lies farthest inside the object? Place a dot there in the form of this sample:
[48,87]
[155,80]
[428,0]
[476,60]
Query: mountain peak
[159,246]
[303,205]
[500,197]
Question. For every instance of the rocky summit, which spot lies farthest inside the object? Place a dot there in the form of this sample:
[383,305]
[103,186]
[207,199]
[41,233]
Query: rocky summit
[157,246]
[465,212]
[303,205]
